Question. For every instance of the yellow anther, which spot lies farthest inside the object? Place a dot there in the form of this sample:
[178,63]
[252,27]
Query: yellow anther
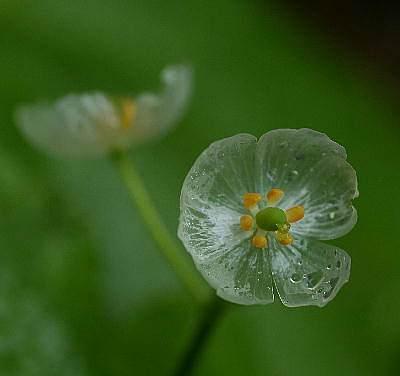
[128,112]
[295,214]
[274,195]
[251,199]
[246,222]
[259,241]
[284,238]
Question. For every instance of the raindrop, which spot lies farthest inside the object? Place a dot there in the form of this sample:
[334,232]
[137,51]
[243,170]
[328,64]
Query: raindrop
[329,266]
[332,215]
[295,172]
[327,294]
[333,282]
[296,278]
[338,264]
[313,279]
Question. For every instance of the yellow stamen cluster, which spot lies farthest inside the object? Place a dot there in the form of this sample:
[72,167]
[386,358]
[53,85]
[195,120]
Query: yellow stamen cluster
[274,196]
[128,112]
[295,214]
[259,241]
[250,200]
[246,222]
[281,232]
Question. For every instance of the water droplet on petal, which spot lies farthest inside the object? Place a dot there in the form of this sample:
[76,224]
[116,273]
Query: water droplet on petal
[313,279]
[296,278]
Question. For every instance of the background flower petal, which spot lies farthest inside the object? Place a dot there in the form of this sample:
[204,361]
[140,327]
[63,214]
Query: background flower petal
[312,171]
[73,126]
[157,113]
[308,272]
[211,206]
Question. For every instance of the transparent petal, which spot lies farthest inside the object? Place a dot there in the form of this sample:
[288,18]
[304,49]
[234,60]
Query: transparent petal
[211,206]
[157,113]
[312,171]
[73,126]
[223,254]
[308,272]
[327,199]
[221,175]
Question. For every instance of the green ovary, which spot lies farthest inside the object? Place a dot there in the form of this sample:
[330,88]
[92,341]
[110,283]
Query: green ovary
[269,219]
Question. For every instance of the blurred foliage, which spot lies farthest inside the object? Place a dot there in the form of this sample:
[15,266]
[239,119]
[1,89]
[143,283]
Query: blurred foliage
[83,291]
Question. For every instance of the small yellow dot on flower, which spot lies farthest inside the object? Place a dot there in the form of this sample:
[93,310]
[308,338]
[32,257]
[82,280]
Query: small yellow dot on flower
[251,199]
[274,195]
[295,214]
[128,111]
[284,238]
[246,222]
[259,241]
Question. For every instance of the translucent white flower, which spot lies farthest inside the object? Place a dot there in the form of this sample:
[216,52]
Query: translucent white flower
[253,212]
[93,124]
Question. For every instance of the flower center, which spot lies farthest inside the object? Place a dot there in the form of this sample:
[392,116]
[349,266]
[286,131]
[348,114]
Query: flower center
[269,219]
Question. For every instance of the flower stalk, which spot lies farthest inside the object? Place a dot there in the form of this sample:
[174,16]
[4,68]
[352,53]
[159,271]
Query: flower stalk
[168,246]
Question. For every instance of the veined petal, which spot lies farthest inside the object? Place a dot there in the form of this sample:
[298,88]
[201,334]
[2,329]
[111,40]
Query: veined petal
[308,272]
[285,157]
[223,254]
[157,113]
[327,200]
[221,175]
[76,125]
[209,226]
[312,171]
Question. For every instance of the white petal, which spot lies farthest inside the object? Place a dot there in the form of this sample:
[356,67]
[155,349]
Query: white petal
[211,206]
[312,171]
[308,272]
[157,113]
[74,126]
[327,199]
[222,174]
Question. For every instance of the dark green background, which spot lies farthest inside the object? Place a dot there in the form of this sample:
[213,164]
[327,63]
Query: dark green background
[83,290]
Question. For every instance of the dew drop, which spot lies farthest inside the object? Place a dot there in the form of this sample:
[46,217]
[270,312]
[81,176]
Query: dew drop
[313,279]
[332,215]
[338,264]
[295,172]
[329,266]
[333,282]
[296,278]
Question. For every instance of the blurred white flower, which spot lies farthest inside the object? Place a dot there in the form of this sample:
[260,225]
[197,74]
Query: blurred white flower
[93,124]
[252,213]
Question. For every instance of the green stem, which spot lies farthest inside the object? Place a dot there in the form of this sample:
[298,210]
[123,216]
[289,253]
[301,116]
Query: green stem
[211,316]
[168,245]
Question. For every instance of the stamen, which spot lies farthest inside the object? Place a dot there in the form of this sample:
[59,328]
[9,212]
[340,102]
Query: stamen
[295,214]
[251,199]
[284,238]
[128,112]
[246,222]
[274,195]
[259,241]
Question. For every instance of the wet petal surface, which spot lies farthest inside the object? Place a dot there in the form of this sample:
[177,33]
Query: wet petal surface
[308,272]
